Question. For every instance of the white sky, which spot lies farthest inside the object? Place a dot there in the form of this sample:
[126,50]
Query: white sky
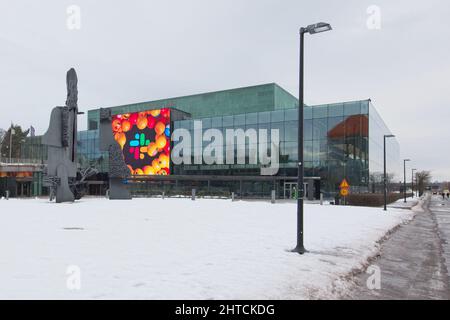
[136,51]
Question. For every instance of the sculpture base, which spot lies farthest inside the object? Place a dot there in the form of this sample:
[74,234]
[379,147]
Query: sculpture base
[63,192]
[117,190]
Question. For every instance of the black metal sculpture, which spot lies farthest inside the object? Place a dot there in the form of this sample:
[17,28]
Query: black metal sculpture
[61,139]
[118,170]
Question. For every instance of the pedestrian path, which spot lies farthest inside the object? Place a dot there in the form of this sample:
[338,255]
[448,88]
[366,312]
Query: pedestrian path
[441,211]
[414,261]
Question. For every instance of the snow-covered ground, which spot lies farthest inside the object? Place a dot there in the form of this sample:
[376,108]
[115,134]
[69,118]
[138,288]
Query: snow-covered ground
[182,249]
[400,204]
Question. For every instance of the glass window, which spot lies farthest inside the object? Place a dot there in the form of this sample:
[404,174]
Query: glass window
[185,124]
[280,127]
[352,108]
[251,118]
[309,169]
[307,151]
[320,111]
[365,107]
[308,164]
[322,170]
[335,121]
[291,131]
[336,149]
[307,113]
[264,126]
[336,127]
[290,150]
[335,110]
[216,122]
[320,150]
[206,123]
[365,125]
[277,116]
[92,125]
[291,114]
[264,117]
[353,126]
[308,130]
[239,120]
[90,146]
[320,129]
[252,127]
[228,121]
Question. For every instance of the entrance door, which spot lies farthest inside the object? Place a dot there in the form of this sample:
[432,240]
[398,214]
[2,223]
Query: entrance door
[290,190]
[23,189]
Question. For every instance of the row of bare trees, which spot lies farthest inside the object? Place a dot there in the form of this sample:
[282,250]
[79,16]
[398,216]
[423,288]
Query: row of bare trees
[423,179]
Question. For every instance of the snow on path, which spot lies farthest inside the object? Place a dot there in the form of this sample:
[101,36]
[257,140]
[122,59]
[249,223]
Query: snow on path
[182,249]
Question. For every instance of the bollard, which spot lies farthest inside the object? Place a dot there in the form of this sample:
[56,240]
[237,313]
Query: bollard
[232,197]
[273,196]
[7,194]
[107,194]
[163,195]
[321,199]
[193,195]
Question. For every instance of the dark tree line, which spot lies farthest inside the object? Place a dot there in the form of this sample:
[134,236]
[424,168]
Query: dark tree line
[18,137]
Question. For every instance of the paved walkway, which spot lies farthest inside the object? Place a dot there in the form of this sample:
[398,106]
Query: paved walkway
[441,210]
[415,260]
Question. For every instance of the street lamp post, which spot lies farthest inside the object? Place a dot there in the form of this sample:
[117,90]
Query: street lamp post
[412,181]
[384,176]
[417,186]
[404,177]
[311,29]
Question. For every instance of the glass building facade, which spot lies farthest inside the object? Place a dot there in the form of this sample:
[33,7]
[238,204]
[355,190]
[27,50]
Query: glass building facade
[341,140]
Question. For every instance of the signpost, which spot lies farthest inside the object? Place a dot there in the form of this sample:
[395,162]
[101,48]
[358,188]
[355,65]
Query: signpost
[344,187]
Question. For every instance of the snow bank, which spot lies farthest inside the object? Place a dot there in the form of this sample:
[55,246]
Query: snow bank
[419,207]
[400,203]
[182,249]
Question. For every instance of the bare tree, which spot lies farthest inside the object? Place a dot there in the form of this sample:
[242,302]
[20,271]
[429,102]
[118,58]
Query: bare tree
[423,178]
[376,182]
[390,184]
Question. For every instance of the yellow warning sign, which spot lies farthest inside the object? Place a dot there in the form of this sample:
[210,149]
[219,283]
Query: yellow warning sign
[344,192]
[344,184]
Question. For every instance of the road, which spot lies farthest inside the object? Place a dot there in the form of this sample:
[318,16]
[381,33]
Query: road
[414,262]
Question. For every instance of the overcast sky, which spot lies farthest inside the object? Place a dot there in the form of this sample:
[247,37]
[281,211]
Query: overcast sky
[136,51]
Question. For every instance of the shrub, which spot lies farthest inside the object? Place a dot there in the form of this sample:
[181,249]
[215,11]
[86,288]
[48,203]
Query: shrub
[372,199]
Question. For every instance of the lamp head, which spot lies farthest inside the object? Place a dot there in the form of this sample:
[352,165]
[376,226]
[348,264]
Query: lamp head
[317,28]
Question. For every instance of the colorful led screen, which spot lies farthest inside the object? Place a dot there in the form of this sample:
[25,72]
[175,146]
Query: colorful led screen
[145,140]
